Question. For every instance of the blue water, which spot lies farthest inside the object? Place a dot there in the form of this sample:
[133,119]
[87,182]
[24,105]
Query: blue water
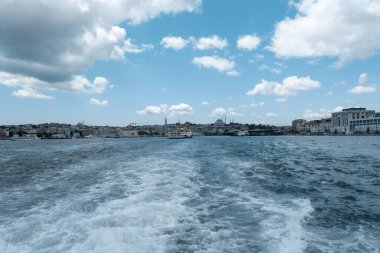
[206,194]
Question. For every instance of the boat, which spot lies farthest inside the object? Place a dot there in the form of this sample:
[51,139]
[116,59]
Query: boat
[241,133]
[180,134]
[28,137]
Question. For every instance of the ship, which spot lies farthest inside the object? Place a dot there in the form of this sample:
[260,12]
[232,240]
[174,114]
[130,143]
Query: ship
[240,133]
[180,133]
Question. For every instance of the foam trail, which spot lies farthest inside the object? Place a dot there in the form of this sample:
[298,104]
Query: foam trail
[200,195]
[283,229]
[149,202]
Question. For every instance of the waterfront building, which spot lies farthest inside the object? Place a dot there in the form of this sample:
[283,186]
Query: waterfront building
[298,125]
[52,130]
[340,121]
[86,132]
[2,133]
[113,133]
[103,131]
[67,132]
[369,125]
[317,127]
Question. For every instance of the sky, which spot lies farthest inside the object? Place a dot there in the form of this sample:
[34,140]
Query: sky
[119,62]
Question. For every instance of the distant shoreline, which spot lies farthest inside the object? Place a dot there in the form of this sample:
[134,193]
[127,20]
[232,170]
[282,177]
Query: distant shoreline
[199,136]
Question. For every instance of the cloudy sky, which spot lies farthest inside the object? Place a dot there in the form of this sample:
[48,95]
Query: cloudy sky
[121,61]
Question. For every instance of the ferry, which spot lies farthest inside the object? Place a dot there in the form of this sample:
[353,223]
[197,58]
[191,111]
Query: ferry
[241,133]
[28,137]
[180,134]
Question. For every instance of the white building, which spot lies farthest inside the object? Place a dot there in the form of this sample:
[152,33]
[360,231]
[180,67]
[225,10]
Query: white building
[340,121]
[298,125]
[316,127]
[370,125]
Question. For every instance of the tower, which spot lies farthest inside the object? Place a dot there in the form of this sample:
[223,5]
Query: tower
[166,125]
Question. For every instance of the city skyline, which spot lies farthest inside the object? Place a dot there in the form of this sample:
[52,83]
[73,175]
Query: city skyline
[118,62]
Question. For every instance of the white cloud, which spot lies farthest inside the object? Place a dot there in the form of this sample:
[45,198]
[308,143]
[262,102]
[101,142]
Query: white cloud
[77,84]
[130,47]
[151,109]
[218,111]
[97,43]
[212,42]
[235,114]
[310,114]
[205,103]
[140,11]
[274,70]
[94,101]
[228,112]
[99,85]
[204,43]
[181,109]
[248,42]
[322,113]
[271,115]
[362,89]
[14,80]
[346,29]
[363,78]
[222,65]
[101,43]
[30,93]
[290,86]
[233,73]
[337,109]
[176,43]
[58,40]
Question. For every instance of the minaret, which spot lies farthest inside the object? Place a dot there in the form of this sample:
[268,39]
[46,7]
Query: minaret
[166,125]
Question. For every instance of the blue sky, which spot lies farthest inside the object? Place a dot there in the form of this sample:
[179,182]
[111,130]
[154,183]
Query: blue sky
[124,61]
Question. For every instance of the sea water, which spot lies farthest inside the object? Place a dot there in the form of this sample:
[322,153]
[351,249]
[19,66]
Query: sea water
[206,194]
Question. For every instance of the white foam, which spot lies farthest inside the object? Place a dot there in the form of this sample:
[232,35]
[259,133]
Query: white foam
[141,205]
[283,229]
[6,158]
[156,190]
[281,221]
[345,240]
[10,248]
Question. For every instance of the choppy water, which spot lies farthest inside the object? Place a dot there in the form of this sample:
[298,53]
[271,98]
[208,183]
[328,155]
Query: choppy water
[216,194]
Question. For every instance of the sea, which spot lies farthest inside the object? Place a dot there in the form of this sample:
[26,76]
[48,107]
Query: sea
[206,194]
